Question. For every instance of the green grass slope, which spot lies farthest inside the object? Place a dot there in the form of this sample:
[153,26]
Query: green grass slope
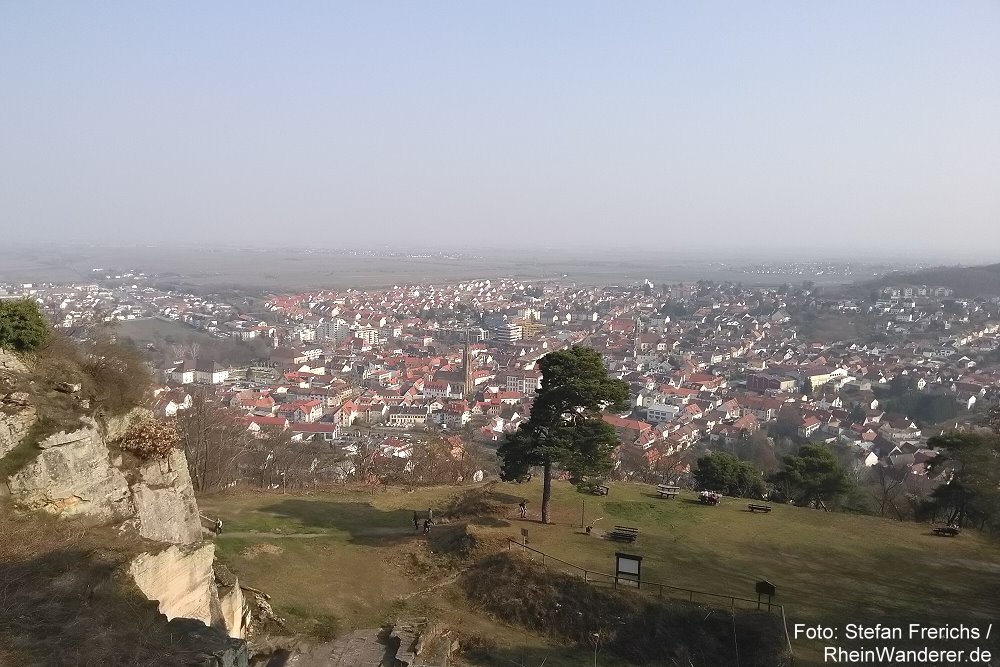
[356,557]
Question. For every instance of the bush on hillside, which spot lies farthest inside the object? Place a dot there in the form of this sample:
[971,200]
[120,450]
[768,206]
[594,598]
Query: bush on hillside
[118,377]
[150,438]
[812,478]
[726,474]
[642,631]
[113,378]
[22,326]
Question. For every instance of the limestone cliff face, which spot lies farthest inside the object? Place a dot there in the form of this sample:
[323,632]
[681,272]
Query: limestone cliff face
[16,417]
[181,580]
[164,501]
[16,413]
[73,476]
[77,474]
[233,605]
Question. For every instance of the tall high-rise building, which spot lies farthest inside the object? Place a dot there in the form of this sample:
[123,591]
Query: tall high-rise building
[508,333]
[336,329]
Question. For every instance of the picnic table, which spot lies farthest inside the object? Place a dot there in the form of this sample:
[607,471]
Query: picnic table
[600,490]
[758,508]
[623,534]
[947,531]
[667,491]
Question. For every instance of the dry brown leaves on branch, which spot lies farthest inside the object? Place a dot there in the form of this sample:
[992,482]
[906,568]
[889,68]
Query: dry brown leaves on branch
[150,438]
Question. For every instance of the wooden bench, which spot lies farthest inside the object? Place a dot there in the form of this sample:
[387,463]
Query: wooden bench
[624,534]
[600,490]
[947,531]
[758,508]
[667,491]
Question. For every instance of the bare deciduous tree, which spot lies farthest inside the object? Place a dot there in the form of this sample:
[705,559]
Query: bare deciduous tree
[888,485]
[214,441]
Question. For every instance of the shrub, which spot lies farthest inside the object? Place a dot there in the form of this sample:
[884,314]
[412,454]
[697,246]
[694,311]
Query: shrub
[725,473]
[118,377]
[22,326]
[642,631]
[150,438]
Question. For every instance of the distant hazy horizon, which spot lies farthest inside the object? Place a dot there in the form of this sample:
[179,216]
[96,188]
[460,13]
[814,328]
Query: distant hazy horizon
[716,129]
[610,251]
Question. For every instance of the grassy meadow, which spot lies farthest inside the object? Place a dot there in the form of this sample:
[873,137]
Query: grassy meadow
[354,560]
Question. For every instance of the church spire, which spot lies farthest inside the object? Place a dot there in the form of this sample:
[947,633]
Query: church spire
[467,366]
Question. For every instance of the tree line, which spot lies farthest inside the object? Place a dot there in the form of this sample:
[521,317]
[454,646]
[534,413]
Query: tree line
[566,432]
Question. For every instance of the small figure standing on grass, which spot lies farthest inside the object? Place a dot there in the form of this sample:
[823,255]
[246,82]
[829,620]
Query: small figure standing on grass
[430,515]
[218,526]
[427,526]
[522,509]
[416,521]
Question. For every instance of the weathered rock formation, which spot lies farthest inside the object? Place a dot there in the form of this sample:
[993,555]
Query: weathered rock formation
[73,476]
[233,606]
[181,580]
[77,474]
[215,649]
[15,420]
[16,412]
[164,501]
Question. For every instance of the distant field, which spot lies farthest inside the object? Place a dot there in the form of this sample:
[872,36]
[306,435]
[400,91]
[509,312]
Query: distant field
[252,270]
[157,330]
[829,568]
[164,334]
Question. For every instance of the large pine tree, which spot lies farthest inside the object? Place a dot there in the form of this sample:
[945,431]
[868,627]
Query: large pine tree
[566,427]
[971,462]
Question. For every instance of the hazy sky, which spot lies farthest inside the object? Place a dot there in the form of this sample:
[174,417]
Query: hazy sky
[757,125]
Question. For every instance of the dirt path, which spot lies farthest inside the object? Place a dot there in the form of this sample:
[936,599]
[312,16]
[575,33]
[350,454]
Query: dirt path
[366,532]
[272,535]
[447,581]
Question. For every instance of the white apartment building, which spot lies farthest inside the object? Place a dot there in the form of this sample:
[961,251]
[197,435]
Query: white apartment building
[336,329]
[660,412]
[369,335]
[508,333]
[526,382]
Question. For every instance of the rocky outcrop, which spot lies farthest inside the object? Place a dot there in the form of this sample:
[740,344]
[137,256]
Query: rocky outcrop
[16,417]
[10,364]
[234,612]
[181,580]
[76,474]
[214,648]
[164,501]
[233,605]
[16,412]
[73,476]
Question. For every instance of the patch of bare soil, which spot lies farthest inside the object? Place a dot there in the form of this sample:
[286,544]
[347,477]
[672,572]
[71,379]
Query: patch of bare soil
[262,549]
